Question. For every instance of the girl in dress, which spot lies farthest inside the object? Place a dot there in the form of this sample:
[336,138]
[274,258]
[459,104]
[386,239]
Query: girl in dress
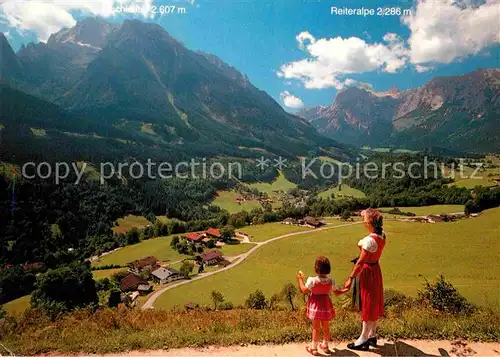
[319,305]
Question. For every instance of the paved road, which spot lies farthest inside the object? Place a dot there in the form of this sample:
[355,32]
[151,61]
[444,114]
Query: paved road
[240,258]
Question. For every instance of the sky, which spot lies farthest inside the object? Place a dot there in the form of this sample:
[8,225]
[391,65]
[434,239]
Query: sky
[297,50]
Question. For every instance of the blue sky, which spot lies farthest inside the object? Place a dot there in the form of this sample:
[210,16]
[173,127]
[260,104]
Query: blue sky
[259,38]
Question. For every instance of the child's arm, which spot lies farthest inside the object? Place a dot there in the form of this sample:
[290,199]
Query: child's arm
[339,291]
[300,280]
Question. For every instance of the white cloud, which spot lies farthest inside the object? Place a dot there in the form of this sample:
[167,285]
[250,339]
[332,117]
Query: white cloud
[445,30]
[419,68]
[291,101]
[49,16]
[331,58]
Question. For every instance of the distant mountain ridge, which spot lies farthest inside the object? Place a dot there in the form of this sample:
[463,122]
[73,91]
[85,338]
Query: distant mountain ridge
[458,112]
[134,78]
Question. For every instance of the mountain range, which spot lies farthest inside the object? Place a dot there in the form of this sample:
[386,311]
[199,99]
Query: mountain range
[132,90]
[460,113]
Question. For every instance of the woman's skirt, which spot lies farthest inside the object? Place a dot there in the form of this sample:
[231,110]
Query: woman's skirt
[320,307]
[371,291]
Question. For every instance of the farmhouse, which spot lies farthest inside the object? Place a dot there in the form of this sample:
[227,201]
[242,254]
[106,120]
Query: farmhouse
[212,257]
[311,222]
[166,275]
[289,221]
[214,233]
[131,283]
[144,289]
[194,237]
[148,263]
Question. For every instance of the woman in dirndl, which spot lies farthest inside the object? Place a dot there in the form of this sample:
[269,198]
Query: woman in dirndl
[367,278]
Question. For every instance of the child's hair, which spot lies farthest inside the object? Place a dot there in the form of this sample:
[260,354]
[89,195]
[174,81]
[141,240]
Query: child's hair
[322,266]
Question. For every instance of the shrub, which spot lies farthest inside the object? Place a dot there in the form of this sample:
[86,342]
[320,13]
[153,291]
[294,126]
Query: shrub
[217,298]
[256,300]
[186,268]
[226,305]
[288,293]
[444,297]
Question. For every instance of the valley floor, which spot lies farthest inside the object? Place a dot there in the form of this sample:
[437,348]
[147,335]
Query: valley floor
[385,348]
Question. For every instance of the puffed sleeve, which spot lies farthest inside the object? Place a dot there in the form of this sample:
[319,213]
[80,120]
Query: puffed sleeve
[310,283]
[369,244]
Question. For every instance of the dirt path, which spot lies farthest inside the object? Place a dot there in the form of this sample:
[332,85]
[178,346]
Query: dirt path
[149,303]
[385,348]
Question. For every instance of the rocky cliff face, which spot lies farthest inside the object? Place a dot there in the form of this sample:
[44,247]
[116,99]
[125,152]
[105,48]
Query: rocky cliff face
[436,112]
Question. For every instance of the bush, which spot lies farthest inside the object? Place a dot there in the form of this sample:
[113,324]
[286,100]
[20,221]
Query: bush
[442,296]
[256,300]
[226,305]
[217,298]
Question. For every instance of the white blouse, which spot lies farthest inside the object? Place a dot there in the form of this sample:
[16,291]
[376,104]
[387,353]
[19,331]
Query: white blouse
[312,281]
[369,244]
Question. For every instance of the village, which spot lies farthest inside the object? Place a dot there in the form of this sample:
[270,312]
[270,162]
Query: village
[144,274]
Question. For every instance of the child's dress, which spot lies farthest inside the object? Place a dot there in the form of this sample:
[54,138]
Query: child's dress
[319,305]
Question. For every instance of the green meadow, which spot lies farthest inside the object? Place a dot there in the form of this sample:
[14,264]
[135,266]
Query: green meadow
[158,247]
[280,184]
[466,252]
[263,232]
[425,210]
[227,200]
[345,192]
[130,221]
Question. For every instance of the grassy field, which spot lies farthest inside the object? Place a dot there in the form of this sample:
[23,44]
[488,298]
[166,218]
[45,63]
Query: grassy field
[263,232]
[425,210]
[105,273]
[471,183]
[18,306]
[227,200]
[158,247]
[346,191]
[415,251]
[231,250]
[280,184]
[128,222]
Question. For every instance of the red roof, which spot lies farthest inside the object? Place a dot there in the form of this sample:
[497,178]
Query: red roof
[213,254]
[214,232]
[131,282]
[194,236]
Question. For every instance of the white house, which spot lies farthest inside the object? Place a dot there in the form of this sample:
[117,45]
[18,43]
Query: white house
[166,275]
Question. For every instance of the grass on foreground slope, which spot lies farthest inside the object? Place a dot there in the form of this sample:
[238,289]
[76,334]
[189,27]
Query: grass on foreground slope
[18,306]
[466,252]
[346,191]
[130,221]
[227,200]
[109,331]
[158,247]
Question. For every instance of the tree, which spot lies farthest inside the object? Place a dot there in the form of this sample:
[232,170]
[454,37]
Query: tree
[288,292]
[186,268]
[227,232]
[114,298]
[217,298]
[256,300]
[274,301]
[175,240]
[346,214]
[133,236]
[65,288]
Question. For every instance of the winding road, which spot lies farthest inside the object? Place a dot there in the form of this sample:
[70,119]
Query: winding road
[235,261]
